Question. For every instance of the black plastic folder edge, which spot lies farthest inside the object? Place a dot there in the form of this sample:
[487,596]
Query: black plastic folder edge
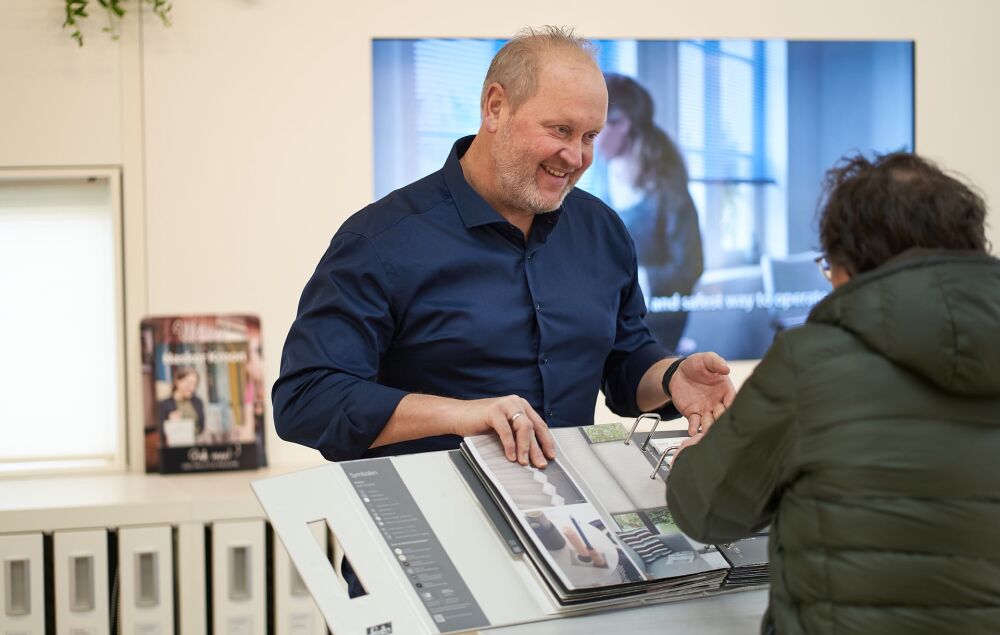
[507,535]
[503,519]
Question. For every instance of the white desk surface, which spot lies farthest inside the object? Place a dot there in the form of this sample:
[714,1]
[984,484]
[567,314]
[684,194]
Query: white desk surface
[733,613]
[495,583]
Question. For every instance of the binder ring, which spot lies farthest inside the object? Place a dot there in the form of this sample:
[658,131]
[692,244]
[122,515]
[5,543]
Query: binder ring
[646,415]
[663,456]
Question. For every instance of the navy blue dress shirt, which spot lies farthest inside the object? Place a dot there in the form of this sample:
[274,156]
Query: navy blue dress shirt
[429,290]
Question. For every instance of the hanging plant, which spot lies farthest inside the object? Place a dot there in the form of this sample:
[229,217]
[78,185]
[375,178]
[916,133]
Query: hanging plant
[77,9]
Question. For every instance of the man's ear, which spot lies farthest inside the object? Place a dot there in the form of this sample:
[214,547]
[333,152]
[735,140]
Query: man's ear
[493,105]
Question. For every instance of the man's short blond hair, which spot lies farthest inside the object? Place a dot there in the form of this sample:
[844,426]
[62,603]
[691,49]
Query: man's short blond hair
[516,65]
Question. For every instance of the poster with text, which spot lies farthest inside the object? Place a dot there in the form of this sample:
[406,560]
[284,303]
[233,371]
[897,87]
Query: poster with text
[203,393]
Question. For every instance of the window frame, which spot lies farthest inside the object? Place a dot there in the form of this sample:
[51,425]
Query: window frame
[118,462]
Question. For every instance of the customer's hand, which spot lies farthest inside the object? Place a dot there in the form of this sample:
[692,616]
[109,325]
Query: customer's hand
[686,443]
[701,390]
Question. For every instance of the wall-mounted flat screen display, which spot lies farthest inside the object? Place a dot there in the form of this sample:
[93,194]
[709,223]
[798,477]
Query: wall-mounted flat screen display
[713,155]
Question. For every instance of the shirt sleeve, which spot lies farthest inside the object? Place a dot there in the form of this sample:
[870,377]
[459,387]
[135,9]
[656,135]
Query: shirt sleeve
[728,486]
[634,351]
[327,396]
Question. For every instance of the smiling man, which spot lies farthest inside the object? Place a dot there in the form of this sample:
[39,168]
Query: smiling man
[489,296]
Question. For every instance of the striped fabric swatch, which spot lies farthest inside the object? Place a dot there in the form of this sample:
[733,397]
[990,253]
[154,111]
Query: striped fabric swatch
[644,543]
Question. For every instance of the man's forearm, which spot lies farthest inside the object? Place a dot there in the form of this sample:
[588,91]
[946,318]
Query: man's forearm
[419,416]
[522,432]
[650,396]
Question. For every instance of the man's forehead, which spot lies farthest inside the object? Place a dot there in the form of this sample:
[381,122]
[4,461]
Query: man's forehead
[573,81]
[563,74]
[575,62]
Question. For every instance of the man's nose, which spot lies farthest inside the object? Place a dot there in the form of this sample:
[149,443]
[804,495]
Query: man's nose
[573,154]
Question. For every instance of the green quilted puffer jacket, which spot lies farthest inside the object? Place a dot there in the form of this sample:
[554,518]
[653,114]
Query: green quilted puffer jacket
[870,440]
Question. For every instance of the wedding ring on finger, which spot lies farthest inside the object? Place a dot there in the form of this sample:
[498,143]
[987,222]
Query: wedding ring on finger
[514,417]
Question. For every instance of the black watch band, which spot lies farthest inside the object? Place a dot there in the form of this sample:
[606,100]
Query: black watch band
[667,376]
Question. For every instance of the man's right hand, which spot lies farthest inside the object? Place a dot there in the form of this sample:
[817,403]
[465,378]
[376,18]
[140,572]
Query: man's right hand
[524,434]
[525,437]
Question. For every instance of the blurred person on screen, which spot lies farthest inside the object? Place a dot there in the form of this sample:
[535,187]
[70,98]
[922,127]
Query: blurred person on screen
[868,438]
[648,187]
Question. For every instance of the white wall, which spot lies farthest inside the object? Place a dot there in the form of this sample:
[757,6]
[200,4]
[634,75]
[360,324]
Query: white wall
[59,105]
[245,129]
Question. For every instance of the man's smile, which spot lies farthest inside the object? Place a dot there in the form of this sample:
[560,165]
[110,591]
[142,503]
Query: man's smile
[554,172]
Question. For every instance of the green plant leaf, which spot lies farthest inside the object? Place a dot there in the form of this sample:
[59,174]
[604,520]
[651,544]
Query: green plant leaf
[115,10]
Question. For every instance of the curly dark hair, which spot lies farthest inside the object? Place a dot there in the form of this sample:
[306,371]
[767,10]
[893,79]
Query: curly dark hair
[875,210]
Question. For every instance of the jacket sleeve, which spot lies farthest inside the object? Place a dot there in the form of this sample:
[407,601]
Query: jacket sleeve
[327,396]
[727,486]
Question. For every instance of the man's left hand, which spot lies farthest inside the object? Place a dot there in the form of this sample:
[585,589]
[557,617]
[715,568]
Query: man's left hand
[701,390]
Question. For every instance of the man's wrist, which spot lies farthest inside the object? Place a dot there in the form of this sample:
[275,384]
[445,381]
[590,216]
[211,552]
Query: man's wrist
[669,374]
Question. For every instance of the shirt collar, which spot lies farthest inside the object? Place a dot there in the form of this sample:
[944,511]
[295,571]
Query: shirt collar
[472,207]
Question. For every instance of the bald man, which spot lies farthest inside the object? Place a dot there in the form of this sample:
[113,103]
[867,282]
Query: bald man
[491,295]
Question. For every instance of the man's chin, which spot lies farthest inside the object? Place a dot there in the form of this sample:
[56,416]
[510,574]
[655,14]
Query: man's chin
[552,203]
[547,206]
[536,204]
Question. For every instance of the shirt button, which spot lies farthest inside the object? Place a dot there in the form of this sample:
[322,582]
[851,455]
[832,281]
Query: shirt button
[530,256]
[548,414]
[538,307]
[544,359]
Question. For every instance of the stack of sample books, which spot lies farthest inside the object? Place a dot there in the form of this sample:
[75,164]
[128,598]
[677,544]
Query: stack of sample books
[594,522]
[748,558]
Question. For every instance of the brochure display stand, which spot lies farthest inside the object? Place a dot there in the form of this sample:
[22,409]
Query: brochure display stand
[431,554]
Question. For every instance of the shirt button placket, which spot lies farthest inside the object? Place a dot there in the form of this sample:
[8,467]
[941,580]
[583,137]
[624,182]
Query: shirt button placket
[542,358]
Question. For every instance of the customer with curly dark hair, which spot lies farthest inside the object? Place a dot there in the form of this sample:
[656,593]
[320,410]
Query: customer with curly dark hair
[868,438]
[876,211]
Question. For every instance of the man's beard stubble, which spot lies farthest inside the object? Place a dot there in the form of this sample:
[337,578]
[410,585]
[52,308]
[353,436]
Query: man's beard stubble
[515,177]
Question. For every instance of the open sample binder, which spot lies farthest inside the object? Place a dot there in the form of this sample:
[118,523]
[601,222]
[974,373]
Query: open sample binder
[595,523]
[463,540]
